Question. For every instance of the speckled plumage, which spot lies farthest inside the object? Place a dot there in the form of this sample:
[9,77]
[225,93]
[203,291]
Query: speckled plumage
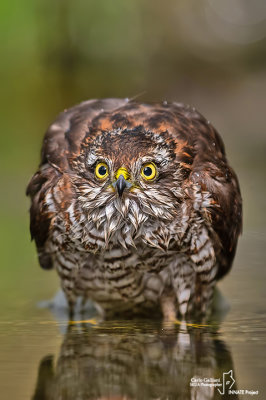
[161,245]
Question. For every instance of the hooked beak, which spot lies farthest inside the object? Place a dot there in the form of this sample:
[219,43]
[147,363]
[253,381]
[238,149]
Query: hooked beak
[120,184]
[122,181]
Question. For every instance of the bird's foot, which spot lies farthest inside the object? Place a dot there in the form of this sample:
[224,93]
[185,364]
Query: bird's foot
[91,321]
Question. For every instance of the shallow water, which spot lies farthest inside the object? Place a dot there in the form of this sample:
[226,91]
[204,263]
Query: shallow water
[43,357]
[57,53]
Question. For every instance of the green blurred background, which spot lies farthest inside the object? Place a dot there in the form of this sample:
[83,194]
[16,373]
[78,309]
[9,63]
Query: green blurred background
[55,53]
[210,54]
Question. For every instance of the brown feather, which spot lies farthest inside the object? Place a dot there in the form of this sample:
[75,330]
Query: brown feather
[171,237]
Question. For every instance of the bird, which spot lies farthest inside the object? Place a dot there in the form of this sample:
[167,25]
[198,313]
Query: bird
[136,207]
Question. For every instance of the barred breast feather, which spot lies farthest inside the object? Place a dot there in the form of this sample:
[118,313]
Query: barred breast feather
[136,207]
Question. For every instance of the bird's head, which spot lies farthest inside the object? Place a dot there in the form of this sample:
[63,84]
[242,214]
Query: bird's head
[129,177]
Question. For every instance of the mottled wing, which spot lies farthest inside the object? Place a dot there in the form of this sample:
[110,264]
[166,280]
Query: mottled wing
[201,151]
[61,142]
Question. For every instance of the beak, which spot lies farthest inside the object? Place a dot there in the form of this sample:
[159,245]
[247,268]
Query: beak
[121,184]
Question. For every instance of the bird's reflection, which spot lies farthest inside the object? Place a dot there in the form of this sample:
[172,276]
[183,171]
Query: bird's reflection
[136,360]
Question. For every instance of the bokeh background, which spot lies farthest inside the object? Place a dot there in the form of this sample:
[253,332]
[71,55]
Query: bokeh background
[55,53]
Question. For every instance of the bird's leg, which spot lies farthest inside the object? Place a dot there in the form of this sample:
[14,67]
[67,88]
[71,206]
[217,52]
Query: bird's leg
[169,310]
[83,306]
[71,299]
[168,307]
[68,286]
[71,310]
[204,299]
[183,281]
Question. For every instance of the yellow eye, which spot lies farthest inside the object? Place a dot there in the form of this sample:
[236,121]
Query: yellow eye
[148,171]
[101,171]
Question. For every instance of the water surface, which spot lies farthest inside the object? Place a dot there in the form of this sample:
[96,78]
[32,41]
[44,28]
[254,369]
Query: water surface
[44,357]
